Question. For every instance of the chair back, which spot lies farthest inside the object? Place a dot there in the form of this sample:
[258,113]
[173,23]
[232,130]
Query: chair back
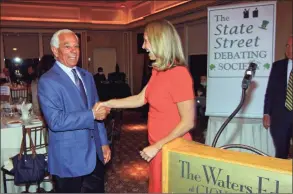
[109,125]
[23,92]
[113,124]
[37,139]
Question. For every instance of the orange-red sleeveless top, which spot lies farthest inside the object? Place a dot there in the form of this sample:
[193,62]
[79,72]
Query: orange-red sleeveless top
[164,90]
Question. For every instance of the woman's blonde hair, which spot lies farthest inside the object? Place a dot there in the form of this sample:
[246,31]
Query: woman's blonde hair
[166,45]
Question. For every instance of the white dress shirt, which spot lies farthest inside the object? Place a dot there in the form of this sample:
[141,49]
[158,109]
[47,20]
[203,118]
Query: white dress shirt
[68,71]
[289,69]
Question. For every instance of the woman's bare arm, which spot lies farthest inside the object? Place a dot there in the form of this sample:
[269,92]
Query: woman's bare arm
[134,101]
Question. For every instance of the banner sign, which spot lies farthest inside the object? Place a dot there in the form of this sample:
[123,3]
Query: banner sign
[193,168]
[238,35]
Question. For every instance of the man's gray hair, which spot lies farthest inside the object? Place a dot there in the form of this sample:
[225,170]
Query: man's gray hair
[55,38]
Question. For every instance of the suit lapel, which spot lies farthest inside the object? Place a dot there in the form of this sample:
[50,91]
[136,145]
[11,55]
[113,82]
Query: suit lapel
[284,76]
[65,80]
[285,65]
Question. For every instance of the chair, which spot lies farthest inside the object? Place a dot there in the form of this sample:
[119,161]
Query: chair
[117,114]
[38,140]
[23,92]
[109,125]
[113,127]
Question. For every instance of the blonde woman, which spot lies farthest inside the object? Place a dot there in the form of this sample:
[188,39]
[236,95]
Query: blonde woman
[169,93]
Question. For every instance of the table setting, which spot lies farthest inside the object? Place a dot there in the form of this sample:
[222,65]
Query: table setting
[13,117]
[18,115]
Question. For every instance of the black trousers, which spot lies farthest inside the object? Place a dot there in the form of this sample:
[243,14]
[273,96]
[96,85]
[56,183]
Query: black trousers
[91,183]
[282,132]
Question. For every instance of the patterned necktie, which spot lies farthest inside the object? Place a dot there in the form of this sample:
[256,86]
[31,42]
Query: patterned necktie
[80,86]
[289,95]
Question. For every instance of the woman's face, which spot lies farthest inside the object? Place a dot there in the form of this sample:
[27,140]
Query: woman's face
[147,46]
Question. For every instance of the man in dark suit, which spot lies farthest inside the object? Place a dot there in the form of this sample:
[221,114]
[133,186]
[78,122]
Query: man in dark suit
[31,74]
[278,104]
[78,145]
[203,85]
[100,76]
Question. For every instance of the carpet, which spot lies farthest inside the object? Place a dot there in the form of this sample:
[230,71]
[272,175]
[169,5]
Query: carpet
[128,172]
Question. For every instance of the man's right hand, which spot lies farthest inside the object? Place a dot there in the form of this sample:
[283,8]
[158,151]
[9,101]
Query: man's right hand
[266,121]
[100,112]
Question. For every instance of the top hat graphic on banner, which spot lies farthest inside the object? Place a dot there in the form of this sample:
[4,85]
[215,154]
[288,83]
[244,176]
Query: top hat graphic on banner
[264,24]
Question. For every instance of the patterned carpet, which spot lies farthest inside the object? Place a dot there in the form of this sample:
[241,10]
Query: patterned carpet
[127,172]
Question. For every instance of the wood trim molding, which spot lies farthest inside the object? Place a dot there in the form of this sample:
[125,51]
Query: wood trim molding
[2,53]
[189,11]
[41,48]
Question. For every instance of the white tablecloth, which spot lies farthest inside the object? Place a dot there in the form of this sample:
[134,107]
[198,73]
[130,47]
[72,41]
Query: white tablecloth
[241,131]
[10,145]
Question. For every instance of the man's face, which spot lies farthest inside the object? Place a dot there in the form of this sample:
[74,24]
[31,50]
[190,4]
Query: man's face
[203,79]
[30,70]
[68,51]
[289,48]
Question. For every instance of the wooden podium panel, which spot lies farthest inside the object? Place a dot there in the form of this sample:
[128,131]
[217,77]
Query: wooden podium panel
[190,167]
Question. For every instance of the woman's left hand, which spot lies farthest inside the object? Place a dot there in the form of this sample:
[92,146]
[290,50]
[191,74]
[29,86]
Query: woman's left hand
[149,152]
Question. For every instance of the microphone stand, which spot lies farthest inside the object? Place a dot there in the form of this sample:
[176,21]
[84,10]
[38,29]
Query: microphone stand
[229,118]
[246,147]
[245,84]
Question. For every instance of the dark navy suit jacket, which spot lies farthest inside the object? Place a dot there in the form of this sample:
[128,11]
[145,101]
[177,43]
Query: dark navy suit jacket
[274,104]
[75,138]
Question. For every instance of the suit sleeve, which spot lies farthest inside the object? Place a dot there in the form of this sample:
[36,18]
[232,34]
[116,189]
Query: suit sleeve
[269,91]
[52,108]
[101,126]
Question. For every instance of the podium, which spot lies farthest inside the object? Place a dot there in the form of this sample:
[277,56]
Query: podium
[190,167]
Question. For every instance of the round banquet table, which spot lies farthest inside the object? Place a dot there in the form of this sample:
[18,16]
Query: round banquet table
[10,145]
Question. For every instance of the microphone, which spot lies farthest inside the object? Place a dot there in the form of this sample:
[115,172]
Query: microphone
[248,75]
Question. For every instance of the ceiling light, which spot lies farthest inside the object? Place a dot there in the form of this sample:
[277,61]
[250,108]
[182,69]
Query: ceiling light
[15,49]
[17,59]
[122,6]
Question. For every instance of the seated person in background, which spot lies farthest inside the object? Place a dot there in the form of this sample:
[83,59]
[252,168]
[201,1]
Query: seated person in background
[100,76]
[5,76]
[203,85]
[46,62]
[200,92]
[201,107]
[117,76]
[31,74]
[201,102]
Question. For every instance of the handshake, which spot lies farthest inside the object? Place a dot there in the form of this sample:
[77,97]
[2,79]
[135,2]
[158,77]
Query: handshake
[100,111]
